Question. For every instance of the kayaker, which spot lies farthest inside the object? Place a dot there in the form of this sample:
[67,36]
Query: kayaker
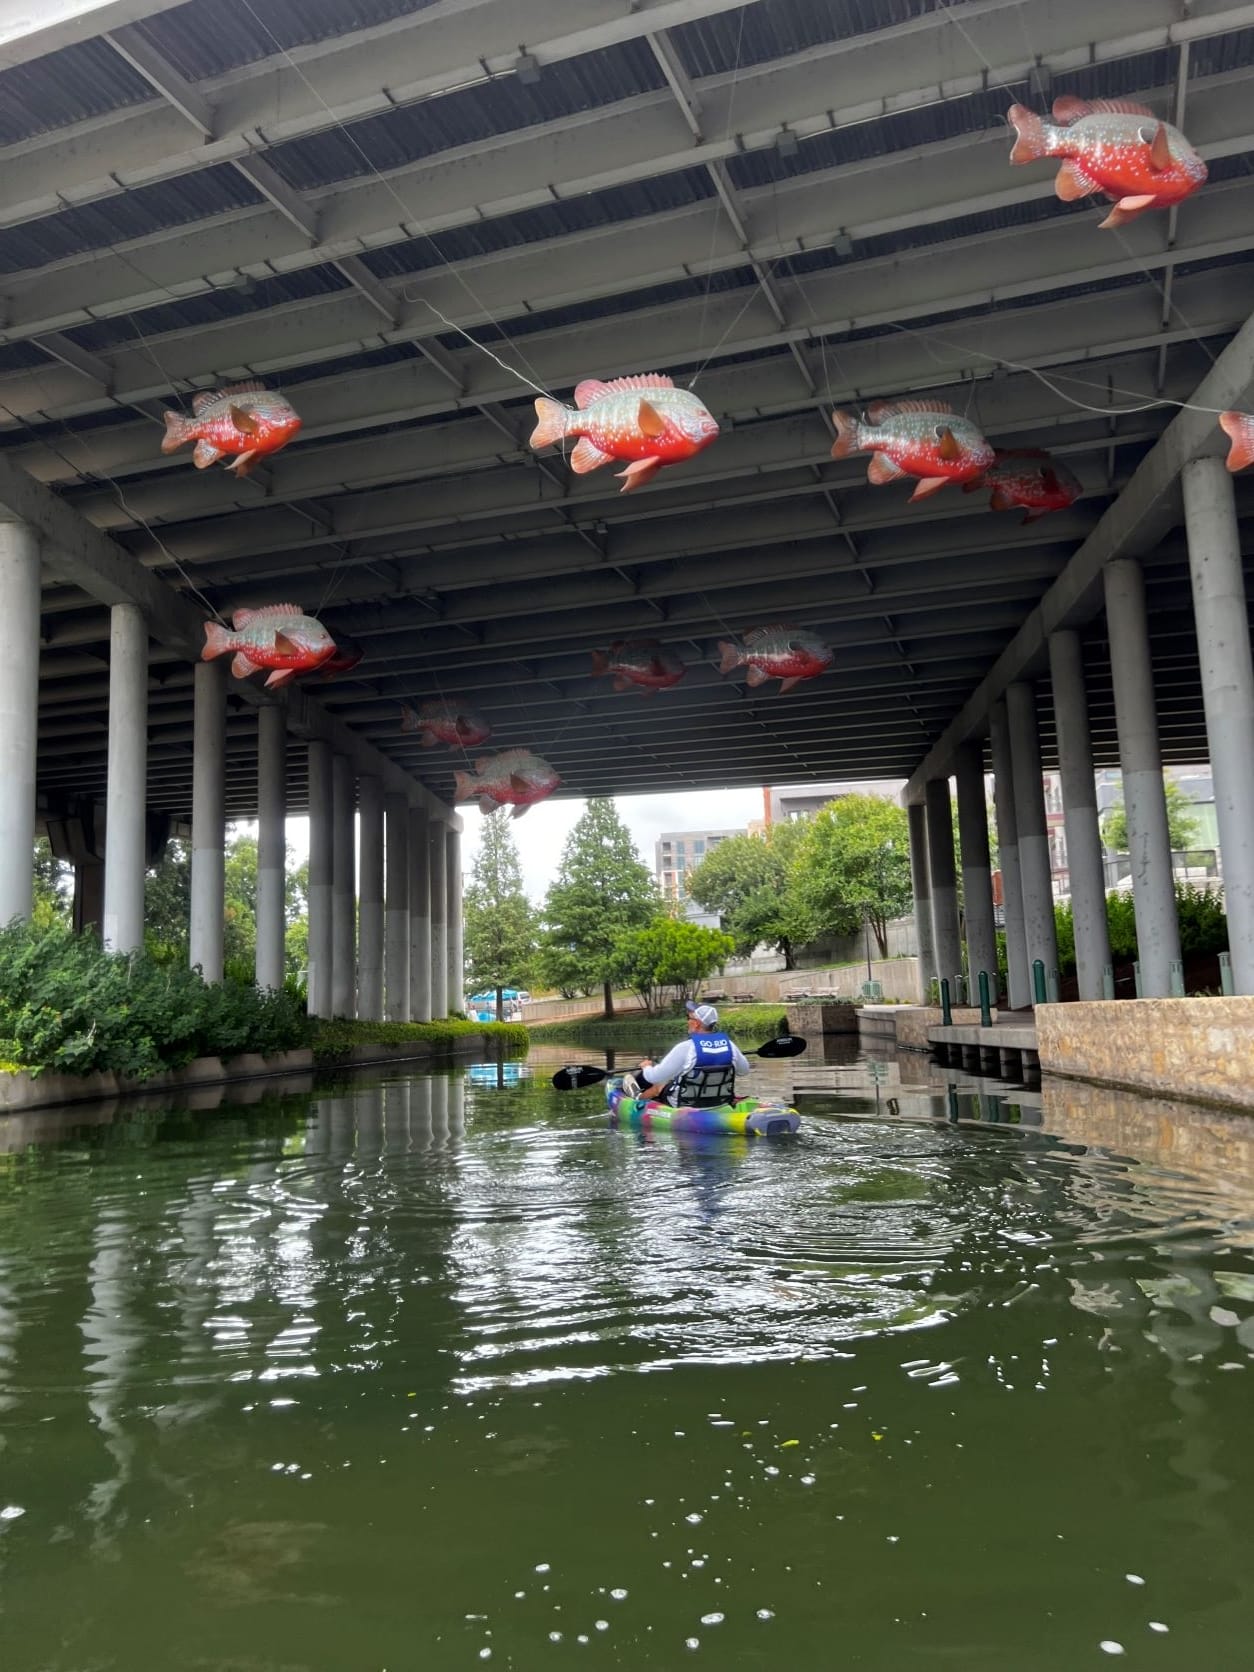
[698,1073]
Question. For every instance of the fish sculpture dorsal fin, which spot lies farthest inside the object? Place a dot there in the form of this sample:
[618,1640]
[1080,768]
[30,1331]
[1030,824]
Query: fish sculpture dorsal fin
[1068,108]
[250,386]
[879,410]
[267,612]
[203,399]
[594,388]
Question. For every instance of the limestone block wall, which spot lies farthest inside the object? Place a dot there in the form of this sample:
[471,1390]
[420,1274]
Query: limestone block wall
[1199,1050]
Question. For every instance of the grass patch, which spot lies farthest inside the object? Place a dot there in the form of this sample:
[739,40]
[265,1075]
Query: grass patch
[751,1022]
[334,1041]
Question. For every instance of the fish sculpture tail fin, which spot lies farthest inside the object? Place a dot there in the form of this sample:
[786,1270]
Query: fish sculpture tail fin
[846,441]
[1239,428]
[218,640]
[409,718]
[177,431]
[1032,137]
[551,421]
[463,786]
[729,656]
[600,662]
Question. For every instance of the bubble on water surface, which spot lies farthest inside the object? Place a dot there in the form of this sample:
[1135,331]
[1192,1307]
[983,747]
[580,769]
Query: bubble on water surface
[712,1619]
[1108,1646]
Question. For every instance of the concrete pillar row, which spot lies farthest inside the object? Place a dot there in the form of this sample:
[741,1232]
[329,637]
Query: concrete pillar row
[453,884]
[438,861]
[370,910]
[977,875]
[419,915]
[208,818]
[921,888]
[1223,638]
[1079,807]
[946,938]
[1035,881]
[396,914]
[271,844]
[19,715]
[1149,841]
[343,877]
[321,852]
[126,795]
[1018,981]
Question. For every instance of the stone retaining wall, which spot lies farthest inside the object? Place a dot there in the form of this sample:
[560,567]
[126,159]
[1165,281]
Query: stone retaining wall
[1199,1050]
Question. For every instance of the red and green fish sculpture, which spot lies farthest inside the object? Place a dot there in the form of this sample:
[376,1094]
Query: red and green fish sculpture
[277,637]
[446,721]
[246,419]
[643,422]
[514,778]
[921,437]
[789,654]
[1113,146]
[640,662]
[1239,428]
[1027,477]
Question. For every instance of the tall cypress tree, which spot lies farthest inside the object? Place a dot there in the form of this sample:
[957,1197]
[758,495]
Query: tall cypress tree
[602,888]
[498,922]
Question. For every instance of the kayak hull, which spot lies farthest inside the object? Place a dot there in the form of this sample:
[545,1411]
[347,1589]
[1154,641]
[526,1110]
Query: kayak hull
[748,1117]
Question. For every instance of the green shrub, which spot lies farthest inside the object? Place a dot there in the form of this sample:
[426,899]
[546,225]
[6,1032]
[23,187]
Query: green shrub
[66,1004]
[1203,926]
[333,1041]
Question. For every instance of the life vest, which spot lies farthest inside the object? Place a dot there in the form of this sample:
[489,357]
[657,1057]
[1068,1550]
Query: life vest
[712,1078]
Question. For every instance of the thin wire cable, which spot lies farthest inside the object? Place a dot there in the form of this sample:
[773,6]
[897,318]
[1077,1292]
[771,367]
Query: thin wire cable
[718,197]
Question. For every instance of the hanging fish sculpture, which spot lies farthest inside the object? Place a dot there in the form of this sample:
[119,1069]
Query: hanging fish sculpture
[789,654]
[1027,477]
[640,662]
[644,422]
[921,437]
[346,655]
[514,778]
[246,419]
[277,636]
[447,721]
[1239,428]
[1113,146]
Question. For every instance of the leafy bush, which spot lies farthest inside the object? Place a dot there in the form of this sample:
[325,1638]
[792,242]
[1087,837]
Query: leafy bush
[334,1040]
[66,1004]
[1203,926]
[667,960]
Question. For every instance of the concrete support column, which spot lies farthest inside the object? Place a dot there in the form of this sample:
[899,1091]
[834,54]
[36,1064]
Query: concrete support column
[370,910]
[921,888]
[438,851]
[1223,638]
[343,876]
[271,844]
[1079,808]
[1034,877]
[321,849]
[1149,844]
[208,818]
[419,916]
[126,798]
[453,912]
[1018,982]
[977,875]
[19,715]
[396,916]
[946,938]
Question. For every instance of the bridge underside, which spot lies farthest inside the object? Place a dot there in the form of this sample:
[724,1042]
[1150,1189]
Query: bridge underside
[797,204]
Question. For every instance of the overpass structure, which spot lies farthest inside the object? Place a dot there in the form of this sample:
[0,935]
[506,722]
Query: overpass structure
[410,216]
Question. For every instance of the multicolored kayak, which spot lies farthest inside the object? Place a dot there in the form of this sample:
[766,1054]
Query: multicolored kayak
[747,1117]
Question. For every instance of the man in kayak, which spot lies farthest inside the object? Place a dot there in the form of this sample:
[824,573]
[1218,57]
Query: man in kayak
[698,1073]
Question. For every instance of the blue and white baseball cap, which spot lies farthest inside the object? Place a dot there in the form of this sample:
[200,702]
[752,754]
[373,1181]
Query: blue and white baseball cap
[705,1013]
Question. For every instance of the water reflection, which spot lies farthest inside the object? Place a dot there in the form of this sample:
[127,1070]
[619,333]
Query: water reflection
[407,1370]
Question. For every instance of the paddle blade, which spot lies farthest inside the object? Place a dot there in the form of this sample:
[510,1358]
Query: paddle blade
[787,1045]
[576,1075]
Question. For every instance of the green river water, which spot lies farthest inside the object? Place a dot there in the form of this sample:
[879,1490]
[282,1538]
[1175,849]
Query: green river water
[442,1372]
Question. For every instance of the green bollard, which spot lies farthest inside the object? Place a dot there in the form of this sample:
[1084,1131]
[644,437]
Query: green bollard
[1038,980]
[986,1009]
[947,1015]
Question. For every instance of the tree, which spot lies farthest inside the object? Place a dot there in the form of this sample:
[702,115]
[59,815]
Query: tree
[748,881]
[168,902]
[53,886]
[1182,826]
[602,889]
[854,862]
[668,959]
[498,923]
